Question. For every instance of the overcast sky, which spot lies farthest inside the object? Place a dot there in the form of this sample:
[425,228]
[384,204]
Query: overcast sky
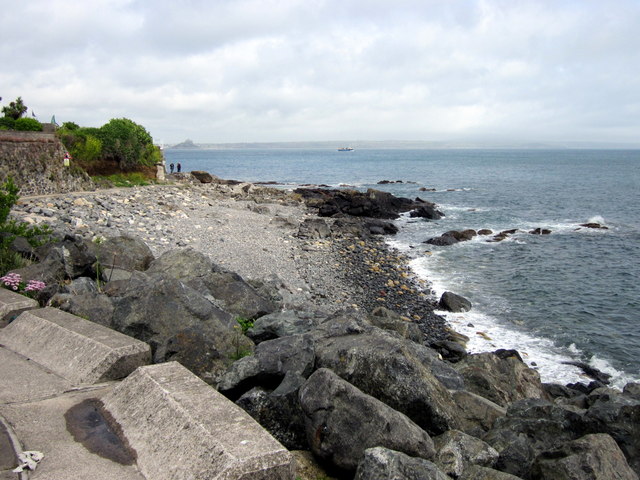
[296,70]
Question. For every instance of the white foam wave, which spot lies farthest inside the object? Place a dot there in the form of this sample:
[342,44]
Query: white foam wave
[488,333]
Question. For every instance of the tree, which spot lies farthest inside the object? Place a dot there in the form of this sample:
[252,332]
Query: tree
[127,142]
[15,109]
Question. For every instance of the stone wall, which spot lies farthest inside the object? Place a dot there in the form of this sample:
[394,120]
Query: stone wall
[34,160]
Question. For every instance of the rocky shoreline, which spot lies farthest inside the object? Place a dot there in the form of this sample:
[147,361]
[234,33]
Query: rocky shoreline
[294,307]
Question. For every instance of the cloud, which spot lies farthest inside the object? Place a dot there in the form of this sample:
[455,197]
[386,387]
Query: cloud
[249,70]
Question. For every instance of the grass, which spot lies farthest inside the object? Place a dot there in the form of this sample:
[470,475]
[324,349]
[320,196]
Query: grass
[133,179]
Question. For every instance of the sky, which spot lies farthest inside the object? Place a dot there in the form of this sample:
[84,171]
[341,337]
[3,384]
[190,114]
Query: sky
[225,71]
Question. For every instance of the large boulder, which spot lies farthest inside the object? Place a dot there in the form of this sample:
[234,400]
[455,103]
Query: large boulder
[226,289]
[202,177]
[476,472]
[93,306]
[457,450]
[531,427]
[454,303]
[619,416]
[125,252]
[592,457]
[428,211]
[405,375]
[501,377]
[272,361]
[380,463]
[386,319]
[179,324]
[283,324]
[342,422]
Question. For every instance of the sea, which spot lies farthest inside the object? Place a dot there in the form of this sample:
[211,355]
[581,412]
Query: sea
[570,296]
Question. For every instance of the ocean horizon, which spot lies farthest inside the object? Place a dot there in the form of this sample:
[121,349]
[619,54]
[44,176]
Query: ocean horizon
[570,296]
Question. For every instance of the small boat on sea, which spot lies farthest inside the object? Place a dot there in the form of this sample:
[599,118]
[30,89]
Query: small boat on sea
[345,149]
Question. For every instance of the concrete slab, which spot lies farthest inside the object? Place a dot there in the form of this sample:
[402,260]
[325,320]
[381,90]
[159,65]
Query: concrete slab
[41,426]
[22,380]
[181,429]
[13,304]
[74,348]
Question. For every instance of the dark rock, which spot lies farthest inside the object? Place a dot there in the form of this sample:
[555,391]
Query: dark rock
[380,227]
[183,264]
[451,351]
[271,362]
[342,422]
[405,375]
[226,289]
[594,225]
[485,231]
[387,320]
[632,390]
[476,472]
[236,296]
[590,457]
[279,411]
[454,303]
[618,416]
[203,177]
[530,427]
[478,413]
[429,211]
[442,241]
[373,203]
[21,246]
[125,253]
[282,324]
[501,380]
[81,285]
[314,228]
[457,450]
[92,306]
[585,389]
[204,339]
[540,231]
[592,372]
[380,463]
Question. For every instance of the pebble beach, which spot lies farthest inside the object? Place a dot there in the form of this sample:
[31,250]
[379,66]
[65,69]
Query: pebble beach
[253,231]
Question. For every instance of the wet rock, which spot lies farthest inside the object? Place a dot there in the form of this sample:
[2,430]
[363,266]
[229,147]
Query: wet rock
[592,372]
[342,422]
[540,231]
[454,303]
[594,225]
[485,231]
[428,211]
[380,463]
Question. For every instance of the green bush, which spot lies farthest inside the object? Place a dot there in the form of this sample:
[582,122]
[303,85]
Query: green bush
[6,123]
[127,142]
[26,124]
[10,228]
[131,179]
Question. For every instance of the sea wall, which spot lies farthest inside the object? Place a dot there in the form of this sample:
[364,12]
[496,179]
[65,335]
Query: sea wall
[34,160]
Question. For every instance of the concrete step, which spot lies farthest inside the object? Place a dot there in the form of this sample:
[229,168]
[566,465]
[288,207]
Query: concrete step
[13,304]
[74,348]
[181,428]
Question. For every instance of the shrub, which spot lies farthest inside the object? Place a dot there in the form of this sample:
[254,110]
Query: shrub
[6,123]
[28,125]
[127,142]
[10,228]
